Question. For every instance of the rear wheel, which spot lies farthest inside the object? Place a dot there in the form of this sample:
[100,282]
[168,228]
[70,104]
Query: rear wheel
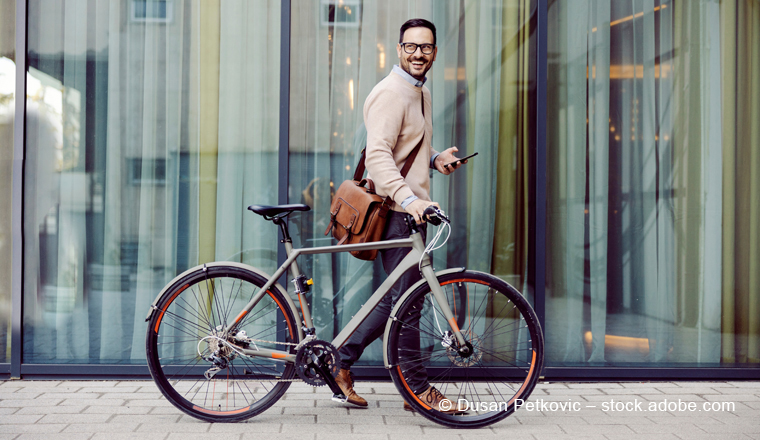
[200,368]
[500,364]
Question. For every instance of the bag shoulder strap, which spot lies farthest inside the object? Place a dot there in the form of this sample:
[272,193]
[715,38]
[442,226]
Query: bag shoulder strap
[360,168]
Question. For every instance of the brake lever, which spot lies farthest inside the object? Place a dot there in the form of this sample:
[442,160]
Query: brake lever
[435,216]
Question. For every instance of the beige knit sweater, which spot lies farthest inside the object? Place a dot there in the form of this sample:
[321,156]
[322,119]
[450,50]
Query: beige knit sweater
[394,121]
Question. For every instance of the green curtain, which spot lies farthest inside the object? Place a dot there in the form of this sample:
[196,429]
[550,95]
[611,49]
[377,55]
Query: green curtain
[510,242]
[740,321]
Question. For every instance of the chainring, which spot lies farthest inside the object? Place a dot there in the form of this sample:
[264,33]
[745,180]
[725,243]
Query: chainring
[325,352]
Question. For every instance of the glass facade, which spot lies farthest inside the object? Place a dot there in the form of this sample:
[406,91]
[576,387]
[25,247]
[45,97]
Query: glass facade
[7,112]
[152,124]
[479,100]
[652,187]
[149,129]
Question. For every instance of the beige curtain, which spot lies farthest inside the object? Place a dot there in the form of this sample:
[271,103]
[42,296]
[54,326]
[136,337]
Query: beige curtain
[741,182]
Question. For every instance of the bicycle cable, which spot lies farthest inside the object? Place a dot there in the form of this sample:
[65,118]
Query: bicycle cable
[432,245]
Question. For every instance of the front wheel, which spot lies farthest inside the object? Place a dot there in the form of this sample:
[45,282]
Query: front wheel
[500,365]
[198,366]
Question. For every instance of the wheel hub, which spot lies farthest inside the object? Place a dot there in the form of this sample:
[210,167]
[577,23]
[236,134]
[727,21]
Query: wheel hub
[468,355]
[220,350]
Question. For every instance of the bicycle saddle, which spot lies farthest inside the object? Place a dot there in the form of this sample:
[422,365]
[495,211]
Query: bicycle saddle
[270,211]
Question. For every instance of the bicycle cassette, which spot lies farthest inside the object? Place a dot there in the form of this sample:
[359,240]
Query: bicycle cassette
[313,354]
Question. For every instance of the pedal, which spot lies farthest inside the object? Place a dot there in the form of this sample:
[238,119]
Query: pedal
[340,398]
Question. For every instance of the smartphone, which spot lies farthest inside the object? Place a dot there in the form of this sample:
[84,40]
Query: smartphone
[460,160]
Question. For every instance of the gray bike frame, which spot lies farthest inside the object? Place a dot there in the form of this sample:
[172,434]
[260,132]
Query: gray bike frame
[411,260]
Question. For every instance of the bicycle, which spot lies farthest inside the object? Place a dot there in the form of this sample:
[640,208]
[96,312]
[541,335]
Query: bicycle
[223,342]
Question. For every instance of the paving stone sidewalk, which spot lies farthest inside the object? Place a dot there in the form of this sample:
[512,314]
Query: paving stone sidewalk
[115,410]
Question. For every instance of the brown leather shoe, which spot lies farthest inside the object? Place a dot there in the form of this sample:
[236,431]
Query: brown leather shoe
[437,401]
[346,383]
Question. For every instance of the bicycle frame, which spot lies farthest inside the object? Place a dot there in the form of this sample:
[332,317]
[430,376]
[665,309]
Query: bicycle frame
[411,260]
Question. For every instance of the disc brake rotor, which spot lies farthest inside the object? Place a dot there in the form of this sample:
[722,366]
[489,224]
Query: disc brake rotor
[462,361]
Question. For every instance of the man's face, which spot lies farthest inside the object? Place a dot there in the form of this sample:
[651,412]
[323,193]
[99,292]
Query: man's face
[416,64]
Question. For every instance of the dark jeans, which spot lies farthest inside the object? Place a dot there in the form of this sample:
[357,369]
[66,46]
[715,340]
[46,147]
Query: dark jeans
[374,326]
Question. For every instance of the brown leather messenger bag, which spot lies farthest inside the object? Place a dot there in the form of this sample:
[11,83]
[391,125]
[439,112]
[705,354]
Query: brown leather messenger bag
[357,213]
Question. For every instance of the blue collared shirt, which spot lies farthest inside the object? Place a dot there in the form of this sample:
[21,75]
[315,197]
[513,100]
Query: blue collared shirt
[409,78]
[416,83]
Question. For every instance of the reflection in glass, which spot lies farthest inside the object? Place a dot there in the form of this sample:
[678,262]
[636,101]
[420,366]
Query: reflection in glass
[640,193]
[479,85]
[146,139]
[7,112]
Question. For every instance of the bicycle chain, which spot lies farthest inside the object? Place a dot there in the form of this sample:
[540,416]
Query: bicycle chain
[296,379]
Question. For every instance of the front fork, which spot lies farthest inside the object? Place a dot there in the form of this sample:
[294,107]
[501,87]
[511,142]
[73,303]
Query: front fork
[427,272]
[440,298]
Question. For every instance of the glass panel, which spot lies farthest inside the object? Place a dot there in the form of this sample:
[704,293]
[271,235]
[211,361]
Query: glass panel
[7,112]
[145,142]
[652,234]
[479,85]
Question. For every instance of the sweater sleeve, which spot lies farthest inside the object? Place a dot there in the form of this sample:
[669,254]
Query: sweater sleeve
[384,117]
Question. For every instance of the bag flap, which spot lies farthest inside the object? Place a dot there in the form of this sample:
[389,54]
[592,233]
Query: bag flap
[352,204]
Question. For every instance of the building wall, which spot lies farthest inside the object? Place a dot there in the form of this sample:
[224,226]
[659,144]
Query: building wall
[152,125]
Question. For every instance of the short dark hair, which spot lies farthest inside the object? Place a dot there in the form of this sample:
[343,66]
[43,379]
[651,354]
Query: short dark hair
[413,23]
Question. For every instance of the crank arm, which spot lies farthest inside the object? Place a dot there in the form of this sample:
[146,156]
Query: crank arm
[325,370]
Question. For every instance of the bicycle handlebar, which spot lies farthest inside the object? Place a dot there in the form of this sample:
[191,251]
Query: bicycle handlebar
[435,216]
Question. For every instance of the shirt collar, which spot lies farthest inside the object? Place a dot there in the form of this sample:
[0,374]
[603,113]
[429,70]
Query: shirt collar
[409,78]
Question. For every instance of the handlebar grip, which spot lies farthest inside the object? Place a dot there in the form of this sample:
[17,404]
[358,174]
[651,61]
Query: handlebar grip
[435,216]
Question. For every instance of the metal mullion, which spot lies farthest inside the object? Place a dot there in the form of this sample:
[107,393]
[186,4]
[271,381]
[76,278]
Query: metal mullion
[284,145]
[17,225]
[537,182]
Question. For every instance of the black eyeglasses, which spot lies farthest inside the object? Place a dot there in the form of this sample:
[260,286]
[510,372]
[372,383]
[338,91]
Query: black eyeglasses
[411,48]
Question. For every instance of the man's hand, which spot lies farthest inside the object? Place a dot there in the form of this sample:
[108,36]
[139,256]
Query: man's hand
[447,157]
[417,208]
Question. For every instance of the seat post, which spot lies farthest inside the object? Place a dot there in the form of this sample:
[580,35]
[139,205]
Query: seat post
[280,221]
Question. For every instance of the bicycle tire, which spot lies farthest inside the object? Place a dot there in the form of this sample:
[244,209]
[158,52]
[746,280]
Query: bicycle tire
[507,355]
[184,332]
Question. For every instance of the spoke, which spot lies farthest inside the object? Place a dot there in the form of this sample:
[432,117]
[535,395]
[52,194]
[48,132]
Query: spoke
[192,311]
[499,314]
[187,324]
[215,306]
[271,307]
[202,305]
[409,326]
[181,330]
[419,359]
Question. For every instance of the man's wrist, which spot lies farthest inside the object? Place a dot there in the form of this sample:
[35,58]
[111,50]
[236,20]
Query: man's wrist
[432,160]
[408,201]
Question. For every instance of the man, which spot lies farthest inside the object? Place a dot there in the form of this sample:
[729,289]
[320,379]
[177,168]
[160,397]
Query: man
[396,122]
